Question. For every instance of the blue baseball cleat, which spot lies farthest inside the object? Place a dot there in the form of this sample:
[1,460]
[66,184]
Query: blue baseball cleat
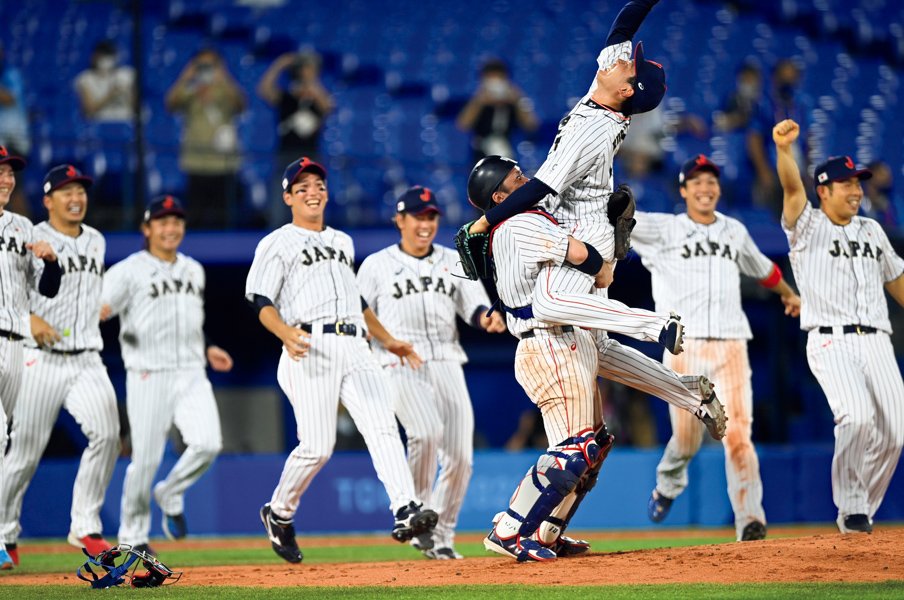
[658,507]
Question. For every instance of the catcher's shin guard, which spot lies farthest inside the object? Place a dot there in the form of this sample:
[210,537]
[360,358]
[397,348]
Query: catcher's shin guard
[557,474]
[552,528]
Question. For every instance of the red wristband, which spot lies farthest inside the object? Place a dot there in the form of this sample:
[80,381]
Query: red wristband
[773,278]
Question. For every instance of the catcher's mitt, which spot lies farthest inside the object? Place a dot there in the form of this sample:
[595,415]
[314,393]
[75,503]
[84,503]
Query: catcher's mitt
[474,250]
[620,211]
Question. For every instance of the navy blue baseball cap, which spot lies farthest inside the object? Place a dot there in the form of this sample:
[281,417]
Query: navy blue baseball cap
[60,175]
[649,83]
[17,163]
[839,168]
[699,163]
[418,200]
[297,167]
[162,206]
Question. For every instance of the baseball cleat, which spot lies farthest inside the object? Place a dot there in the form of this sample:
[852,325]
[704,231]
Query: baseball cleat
[659,506]
[174,527]
[423,542]
[13,551]
[444,553]
[519,548]
[566,546]
[411,521]
[712,413]
[282,536]
[753,531]
[6,561]
[93,543]
[672,334]
[854,524]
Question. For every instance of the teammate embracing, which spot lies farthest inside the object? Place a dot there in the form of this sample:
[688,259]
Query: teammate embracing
[63,369]
[302,284]
[412,287]
[696,260]
[25,264]
[158,294]
[841,262]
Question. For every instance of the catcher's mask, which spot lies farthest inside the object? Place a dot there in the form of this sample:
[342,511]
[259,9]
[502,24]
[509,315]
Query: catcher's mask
[115,564]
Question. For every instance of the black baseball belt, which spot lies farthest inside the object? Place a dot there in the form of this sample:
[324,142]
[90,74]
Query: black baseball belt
[338,328]
[64,352]
[858,329]
[10,335]
[533,332]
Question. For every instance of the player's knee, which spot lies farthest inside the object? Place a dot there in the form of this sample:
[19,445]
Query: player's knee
[209,450]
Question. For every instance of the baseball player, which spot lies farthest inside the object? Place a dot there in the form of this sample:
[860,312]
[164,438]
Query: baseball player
[158,294]
[63,369]
[841,262]
[526,249]
[414,290]
[696,260]
[20,272]
[302,284]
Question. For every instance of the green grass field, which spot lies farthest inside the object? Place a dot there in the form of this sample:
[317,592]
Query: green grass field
[52,561]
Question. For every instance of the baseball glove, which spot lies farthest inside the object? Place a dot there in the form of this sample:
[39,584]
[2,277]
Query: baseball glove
[620,211]
[474,250]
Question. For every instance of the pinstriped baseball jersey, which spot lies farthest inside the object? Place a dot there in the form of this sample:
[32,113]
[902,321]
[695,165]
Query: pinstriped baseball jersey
[19,271]
[74,311]
[696,270]
[161,310]
[417,300]
[841,269]
[309,275]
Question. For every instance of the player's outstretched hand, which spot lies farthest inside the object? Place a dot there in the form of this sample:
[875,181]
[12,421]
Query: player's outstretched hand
[42,250]
[792,305]
[219,359]
[43,333]
[493,323]
[295,341]
[405,351]
[785,133]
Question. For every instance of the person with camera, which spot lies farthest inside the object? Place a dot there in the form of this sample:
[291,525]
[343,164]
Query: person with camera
[209,99]
[495,110]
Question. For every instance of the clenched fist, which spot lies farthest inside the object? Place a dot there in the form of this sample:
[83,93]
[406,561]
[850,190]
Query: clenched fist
[785,133]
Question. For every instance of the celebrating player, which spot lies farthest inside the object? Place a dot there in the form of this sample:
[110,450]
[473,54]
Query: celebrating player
[302,284]
[158,294]
[841,262]
[412,289]
[19,272]
[557,365]
[63,369]
[696,260]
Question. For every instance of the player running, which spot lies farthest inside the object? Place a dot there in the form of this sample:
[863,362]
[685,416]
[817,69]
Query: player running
[63,369]
[841,262]
[696,260]
[302,284]
[25,265]
[413,288]
[158,294]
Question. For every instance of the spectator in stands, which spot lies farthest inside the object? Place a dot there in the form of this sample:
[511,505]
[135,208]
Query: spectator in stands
[14,133]
[879,201]
[784,101]
[301,107]
[106,90]
[742,104]
[495,110]
[210,100]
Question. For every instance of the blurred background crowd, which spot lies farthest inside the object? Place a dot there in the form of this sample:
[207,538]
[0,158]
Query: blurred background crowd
[210,99]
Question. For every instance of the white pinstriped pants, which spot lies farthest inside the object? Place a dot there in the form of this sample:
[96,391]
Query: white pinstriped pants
[862,383]
[79,384]
[155,401]
[726,364]
[434,407]
[10,378]
[339,368]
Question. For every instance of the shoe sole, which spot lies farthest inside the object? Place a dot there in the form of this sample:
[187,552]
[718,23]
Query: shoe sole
[423,522]
[714,419]
[677,346]
[277,548]
[500,549]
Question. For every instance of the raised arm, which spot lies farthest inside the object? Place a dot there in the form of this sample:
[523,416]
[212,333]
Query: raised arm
[267,88]
[784,135]
[628,21]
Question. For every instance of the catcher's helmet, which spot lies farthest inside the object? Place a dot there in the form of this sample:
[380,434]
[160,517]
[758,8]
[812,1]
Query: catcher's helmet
[485,178]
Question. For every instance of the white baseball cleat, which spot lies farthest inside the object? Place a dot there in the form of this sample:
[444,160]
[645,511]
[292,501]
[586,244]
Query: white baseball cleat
[712,413]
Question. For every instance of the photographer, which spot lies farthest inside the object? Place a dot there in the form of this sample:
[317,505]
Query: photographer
[493,112]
